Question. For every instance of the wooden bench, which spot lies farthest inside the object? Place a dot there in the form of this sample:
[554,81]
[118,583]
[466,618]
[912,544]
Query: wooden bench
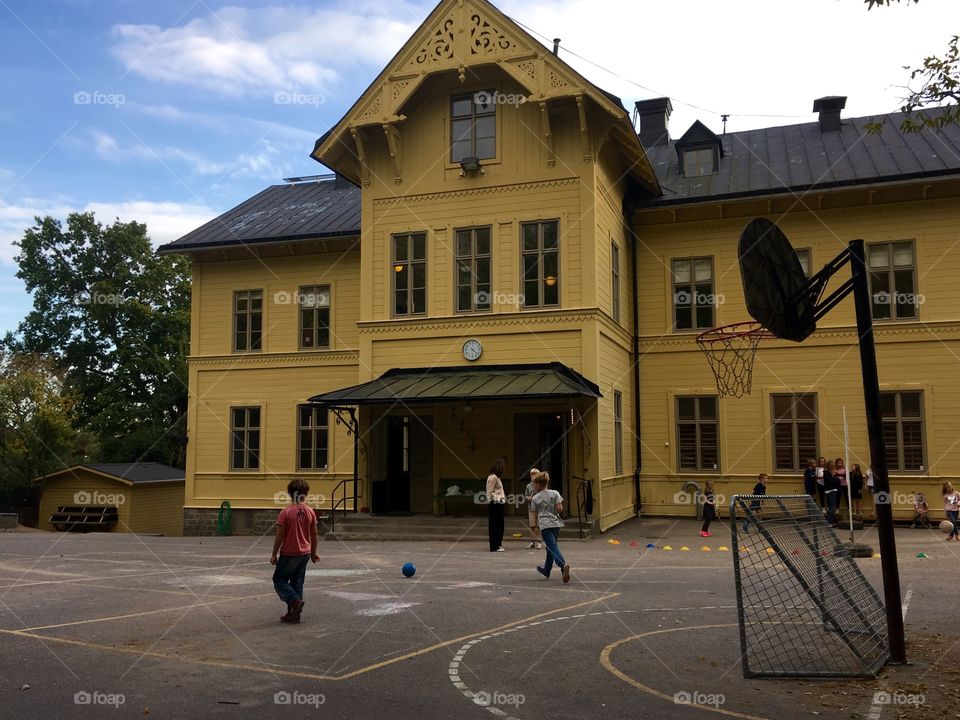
[85,518]
[8,521]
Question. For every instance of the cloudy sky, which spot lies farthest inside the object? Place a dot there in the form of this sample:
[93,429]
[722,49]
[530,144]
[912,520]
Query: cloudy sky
[167,112]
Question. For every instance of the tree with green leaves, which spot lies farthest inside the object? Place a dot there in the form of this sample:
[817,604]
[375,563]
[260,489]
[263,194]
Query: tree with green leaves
[37,435]
[934,84]
[115,318]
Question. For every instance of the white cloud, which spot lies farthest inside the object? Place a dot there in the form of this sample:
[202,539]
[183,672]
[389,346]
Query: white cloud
[239,51]
[166,221]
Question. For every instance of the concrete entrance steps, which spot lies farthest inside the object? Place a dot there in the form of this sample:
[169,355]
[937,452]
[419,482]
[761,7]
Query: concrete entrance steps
[471,529]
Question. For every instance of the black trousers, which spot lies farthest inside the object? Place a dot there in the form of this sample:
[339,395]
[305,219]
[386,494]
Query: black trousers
[495,525]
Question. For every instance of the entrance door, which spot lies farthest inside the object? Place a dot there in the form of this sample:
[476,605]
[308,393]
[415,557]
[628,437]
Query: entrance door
[421,464]
[539,441]
[398,465]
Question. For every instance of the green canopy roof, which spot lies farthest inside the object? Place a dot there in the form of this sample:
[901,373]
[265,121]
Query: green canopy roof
[491,382]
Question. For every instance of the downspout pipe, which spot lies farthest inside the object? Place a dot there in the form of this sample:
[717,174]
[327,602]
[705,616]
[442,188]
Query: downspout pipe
[636,370]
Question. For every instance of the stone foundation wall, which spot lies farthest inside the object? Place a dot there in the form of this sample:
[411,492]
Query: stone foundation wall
[202,522]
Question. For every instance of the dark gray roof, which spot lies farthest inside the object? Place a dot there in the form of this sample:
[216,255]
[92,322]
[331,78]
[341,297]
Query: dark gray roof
[801,157]
[139,472]
[302,211]
[491,382]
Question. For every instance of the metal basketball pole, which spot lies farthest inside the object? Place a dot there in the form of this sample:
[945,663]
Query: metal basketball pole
[878,453]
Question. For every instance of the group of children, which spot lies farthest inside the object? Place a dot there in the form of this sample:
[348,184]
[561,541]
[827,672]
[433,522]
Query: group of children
[295,541]
[829,482]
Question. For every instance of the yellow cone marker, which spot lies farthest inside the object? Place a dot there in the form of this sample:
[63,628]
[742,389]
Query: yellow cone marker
[770,551]
[685,548]
[667,547]
[613,542]
[705,549]
[723,547]
[518,535]
[876,555]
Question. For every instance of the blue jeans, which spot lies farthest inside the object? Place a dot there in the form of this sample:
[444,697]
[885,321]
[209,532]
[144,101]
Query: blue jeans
[831,506]
[749,519]
[953,516]
[289,575]
[550,541]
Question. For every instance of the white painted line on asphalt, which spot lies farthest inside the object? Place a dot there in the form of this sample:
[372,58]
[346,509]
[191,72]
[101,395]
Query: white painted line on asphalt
[484,698]
[881,697]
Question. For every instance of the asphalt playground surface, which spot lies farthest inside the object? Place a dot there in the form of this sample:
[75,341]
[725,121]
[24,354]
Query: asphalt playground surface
[112,625]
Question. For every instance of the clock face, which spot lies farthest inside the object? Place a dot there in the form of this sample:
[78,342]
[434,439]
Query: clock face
[472,349]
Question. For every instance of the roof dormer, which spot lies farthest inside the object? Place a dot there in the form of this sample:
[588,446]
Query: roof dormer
[699,151]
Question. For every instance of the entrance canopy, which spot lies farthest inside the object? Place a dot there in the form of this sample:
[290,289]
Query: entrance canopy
[492,382]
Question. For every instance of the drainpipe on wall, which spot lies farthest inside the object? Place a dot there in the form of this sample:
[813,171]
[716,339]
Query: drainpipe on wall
[636,359]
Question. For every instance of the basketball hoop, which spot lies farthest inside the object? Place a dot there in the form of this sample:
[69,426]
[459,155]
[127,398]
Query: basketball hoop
[731,350]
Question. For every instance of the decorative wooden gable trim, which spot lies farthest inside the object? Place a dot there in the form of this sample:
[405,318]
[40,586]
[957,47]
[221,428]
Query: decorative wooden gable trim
[458,35]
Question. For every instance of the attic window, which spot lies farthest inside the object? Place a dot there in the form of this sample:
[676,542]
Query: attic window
[473,128]
[699,151]
[699,162]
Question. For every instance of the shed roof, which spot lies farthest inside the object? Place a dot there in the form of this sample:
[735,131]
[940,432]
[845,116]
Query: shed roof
[129,473]
[803,157]
[301,211]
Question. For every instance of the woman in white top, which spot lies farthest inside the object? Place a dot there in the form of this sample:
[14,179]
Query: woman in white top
[497,504]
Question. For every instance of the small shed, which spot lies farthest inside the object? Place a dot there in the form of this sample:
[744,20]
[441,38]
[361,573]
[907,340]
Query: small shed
[142,498]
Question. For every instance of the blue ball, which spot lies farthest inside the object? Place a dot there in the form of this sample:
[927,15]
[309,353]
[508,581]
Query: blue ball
[409,570]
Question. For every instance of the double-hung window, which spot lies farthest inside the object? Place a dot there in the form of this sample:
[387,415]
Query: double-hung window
[541,264]
[409,274]
[473,269]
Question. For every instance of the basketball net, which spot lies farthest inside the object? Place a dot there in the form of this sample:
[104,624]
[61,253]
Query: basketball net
[731,351]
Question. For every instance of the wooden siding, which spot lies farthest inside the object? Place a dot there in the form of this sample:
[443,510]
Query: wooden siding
[280,280]
[918,355]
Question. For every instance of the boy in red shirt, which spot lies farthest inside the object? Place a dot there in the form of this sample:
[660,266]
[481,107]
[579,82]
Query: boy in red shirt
[296,543]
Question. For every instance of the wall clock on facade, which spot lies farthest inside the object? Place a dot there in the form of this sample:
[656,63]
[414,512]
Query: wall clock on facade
[472,350]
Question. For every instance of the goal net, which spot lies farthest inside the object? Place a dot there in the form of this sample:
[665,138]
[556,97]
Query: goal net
[805,609]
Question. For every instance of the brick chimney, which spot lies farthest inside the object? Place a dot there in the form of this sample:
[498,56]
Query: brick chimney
[654,116]
[829,108]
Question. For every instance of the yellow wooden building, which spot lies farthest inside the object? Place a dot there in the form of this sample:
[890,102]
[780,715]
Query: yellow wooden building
[494,271]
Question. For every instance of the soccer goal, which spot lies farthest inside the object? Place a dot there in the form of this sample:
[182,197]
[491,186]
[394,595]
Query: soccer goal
[804,607]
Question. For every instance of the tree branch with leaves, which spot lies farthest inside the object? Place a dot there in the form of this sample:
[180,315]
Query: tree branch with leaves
[933,99]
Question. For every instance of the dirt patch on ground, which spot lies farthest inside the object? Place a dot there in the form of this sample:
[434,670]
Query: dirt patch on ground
[926,689]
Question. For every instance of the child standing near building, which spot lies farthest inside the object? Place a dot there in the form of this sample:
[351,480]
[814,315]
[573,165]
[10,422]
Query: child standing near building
[709,509]
[532,513]
[856,488]
[920,511]
[295,544]
[549,505]
[810,478]
[759,489]
[831,489]
[951,504]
